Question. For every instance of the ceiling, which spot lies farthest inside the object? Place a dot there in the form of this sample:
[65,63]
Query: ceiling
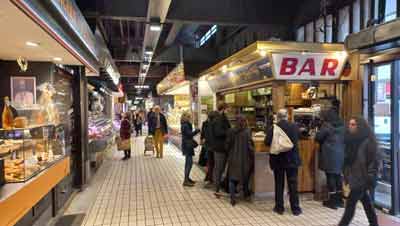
[123,24]
[17,29]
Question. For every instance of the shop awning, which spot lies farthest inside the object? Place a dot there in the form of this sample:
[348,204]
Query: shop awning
[263,61]
[63,21]
[174,83]
[376,38]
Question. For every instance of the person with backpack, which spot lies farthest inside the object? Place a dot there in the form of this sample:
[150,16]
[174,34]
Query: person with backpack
[285,162]
[240,146]
[361,161]
[331,157]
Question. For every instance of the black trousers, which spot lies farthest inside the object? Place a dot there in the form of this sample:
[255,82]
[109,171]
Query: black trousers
[334,182]
[127,153]
[364,196]
[291,177]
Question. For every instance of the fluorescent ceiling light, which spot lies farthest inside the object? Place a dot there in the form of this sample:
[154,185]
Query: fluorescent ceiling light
[142,86]
[57,59]
[32,44]
[149,51]
[155,27]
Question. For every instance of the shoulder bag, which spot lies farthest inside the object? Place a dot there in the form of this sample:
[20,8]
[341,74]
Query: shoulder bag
[280,141]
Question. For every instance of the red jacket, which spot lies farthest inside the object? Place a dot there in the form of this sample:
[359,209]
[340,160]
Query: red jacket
[125,130]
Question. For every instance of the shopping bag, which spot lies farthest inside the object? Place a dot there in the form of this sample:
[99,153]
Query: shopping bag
[123,144]
[280,141]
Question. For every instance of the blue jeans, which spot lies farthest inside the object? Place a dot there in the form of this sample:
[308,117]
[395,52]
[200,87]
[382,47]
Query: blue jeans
[188,166]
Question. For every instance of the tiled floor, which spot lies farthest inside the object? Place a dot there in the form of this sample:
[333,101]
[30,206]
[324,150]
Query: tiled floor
[148,191]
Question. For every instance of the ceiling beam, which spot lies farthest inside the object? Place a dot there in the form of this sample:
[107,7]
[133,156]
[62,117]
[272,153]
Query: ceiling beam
[223,12]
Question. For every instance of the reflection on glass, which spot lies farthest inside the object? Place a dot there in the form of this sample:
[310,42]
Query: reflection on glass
[382,128]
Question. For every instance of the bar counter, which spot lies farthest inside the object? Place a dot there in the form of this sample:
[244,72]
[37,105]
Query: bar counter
[263,175]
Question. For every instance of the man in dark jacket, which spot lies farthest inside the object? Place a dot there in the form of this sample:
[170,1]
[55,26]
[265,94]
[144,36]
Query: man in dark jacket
[285,163]
[331,157]
[159,129]
[219,128]
[207,138]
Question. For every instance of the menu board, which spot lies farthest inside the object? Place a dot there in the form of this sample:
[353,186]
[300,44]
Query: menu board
[256,71]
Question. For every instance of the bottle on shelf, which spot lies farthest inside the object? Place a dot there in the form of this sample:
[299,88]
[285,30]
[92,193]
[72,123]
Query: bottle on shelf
[7,116]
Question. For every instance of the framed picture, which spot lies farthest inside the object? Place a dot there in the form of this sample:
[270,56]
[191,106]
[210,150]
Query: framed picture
[23,91]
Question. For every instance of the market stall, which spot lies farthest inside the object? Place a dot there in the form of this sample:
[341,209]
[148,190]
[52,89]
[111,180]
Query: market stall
[175,86]
[302,77]
[101,132]
[42,149]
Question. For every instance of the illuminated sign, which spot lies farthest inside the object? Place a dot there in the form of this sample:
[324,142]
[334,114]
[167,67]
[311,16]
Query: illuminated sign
[308,66]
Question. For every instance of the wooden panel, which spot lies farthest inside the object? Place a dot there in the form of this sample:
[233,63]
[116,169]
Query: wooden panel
[17,205]
[306,174]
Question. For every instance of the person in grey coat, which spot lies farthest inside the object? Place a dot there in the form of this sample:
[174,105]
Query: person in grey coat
[360,169]
[240,149]
[331,140]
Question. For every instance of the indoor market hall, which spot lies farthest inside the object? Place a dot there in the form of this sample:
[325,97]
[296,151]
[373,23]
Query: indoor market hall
[200,112]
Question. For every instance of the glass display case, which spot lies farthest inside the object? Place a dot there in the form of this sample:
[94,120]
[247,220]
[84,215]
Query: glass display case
[28,151]
[101,132]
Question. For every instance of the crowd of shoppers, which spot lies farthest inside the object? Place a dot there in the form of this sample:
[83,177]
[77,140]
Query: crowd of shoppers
[348,156]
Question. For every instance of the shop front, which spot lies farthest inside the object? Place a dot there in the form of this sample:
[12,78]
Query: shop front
[379,61]
[303,78]
[175,99]
[43,102]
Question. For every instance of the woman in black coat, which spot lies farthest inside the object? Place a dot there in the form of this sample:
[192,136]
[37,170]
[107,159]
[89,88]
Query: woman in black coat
[240,147]
[188,145]
[360,169]
[331,139]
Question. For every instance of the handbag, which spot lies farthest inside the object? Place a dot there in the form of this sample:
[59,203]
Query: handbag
[123,144]
[280,141]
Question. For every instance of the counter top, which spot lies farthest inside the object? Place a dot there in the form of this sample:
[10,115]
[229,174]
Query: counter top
[18,198]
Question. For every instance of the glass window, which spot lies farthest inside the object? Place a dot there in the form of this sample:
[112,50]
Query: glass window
[319,30]
[300,34]
[329,25]
[390,10]
[344,23]
[376,10]
[310,32]
[367,12]
[356,16]
[382,127]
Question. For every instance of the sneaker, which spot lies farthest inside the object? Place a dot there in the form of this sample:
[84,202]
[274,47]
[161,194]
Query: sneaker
[233,202]
[297,212]
[278,210]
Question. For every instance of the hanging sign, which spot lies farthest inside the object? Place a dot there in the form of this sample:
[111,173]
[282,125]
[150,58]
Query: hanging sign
[308,66]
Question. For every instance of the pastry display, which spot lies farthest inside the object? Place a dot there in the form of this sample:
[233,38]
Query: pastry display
[26,152]
[21,122]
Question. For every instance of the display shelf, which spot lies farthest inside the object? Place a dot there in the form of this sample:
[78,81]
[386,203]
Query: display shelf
[29,151]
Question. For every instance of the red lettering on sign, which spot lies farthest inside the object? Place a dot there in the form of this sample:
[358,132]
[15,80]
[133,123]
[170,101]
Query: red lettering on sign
[329,66]
[288,66]
[308,67]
